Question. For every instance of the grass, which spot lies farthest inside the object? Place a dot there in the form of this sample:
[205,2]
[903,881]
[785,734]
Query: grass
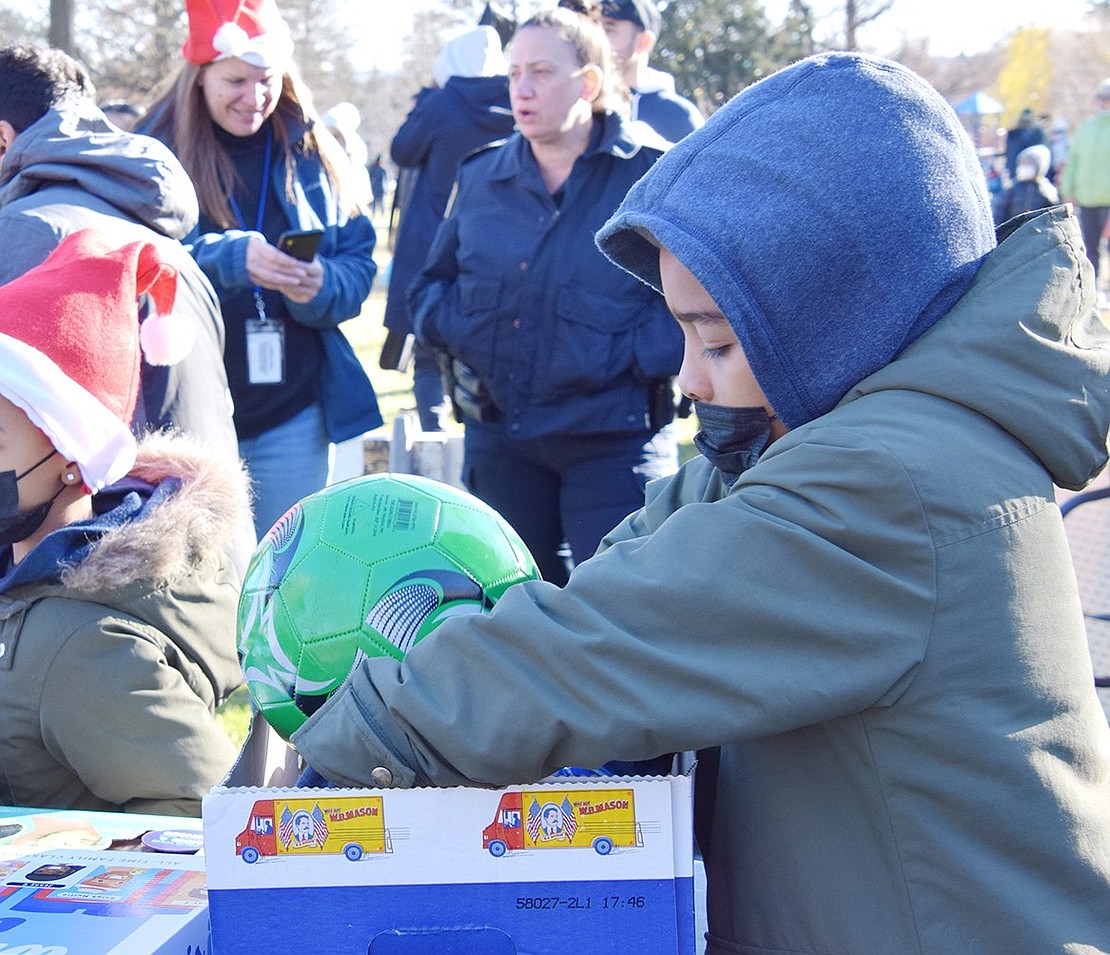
[234,716]
[394,390]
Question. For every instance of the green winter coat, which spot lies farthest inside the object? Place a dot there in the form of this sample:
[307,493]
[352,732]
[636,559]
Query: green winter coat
[109,679]
[878,623]
[1086,176]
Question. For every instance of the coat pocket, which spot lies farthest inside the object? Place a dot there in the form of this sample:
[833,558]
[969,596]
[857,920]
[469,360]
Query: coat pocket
[589,345]
[468,328]
[479,294]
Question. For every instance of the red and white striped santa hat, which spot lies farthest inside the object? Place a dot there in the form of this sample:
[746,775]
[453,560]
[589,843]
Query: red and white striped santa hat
[70,343]
[252,30]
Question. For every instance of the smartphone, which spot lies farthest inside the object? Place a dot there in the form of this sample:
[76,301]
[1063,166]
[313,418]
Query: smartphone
[300,245]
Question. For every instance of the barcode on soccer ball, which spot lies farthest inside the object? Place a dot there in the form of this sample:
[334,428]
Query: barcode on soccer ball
[403,518]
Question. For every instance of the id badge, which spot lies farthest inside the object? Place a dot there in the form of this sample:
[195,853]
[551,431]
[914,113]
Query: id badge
[265,352]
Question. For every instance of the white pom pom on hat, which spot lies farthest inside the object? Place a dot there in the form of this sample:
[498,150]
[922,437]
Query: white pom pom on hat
[70,346]
[165,338]
[251,30]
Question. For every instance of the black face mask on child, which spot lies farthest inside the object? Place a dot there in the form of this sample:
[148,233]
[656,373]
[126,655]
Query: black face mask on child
[732,438]
[16,526]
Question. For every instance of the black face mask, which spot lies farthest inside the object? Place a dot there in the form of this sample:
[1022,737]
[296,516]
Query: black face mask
[14,526]
[732,438]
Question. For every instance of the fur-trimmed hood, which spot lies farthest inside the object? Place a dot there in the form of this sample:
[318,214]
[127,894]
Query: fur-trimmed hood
[197,522]
[109,678]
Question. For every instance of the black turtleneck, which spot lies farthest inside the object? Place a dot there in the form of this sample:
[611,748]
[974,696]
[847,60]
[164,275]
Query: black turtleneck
[261,407]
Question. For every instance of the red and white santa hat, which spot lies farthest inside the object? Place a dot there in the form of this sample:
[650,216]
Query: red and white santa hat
[70,346]
[252,30]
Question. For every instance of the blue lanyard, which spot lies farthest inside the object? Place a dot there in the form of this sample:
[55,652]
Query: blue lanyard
[259,305]
[263,191]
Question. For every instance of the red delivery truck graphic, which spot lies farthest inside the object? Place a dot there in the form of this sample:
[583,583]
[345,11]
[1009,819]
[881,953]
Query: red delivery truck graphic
[600,819]
[351,825]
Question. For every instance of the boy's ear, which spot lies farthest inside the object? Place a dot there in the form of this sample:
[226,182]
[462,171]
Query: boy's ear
[7,135]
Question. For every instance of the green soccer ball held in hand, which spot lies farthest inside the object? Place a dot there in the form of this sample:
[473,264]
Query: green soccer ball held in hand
[369,566]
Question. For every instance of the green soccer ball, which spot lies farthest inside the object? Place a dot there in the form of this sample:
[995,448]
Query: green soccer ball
[369,566]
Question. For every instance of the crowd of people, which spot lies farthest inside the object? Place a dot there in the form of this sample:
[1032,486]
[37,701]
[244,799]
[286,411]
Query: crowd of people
[1041,170]
[466,107]
[855,602]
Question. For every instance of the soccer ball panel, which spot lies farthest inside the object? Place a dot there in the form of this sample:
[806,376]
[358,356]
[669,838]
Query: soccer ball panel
[486,546]
[325,662]
[324,592]
[383,517]
[372,565]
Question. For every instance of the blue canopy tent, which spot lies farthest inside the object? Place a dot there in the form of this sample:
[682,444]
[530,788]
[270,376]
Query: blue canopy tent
[979,104]
[973,109]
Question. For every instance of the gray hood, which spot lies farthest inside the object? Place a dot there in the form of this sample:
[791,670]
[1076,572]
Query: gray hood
[1024,347]
[74,145]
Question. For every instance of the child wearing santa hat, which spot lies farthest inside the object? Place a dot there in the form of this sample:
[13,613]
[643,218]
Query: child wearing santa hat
[117,602]
[241,121]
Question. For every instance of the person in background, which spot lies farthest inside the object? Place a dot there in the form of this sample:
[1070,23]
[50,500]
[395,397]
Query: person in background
[993,167]
[561,364]
[502,20]
[1086,181]
[342,121]
[1059,143]
[861,589]
[1027,133]
[1031,189]
[376,172]
[122,115]
[117,604]
[632,27]
[467,107]
[63,168]
[242,123]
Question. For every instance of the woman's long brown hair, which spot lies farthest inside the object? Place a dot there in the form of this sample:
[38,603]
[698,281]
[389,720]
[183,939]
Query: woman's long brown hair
[182,119]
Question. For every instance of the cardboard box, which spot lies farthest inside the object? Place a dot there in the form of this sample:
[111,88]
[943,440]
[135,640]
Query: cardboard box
[101,902]
[590,865]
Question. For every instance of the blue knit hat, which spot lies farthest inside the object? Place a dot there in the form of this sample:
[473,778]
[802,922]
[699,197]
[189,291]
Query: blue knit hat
[833,211]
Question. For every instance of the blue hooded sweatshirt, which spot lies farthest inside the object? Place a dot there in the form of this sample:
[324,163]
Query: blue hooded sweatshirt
[858,217]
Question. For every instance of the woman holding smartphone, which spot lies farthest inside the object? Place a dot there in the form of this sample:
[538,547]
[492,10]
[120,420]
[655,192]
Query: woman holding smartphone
[242,123]
[561,361]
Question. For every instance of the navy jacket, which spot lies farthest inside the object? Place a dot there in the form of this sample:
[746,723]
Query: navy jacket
[563,340]
[443,127]
[347,397]
[346,394]
[655,102]
[672,117]
[1027,196]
